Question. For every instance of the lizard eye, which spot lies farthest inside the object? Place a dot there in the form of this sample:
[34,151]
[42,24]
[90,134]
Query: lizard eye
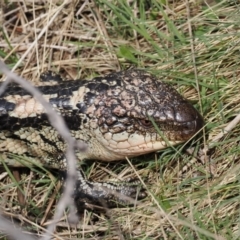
[146,123]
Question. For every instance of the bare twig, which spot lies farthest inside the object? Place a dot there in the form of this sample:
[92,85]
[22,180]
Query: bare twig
[11,231]
[226,130]
[59,124]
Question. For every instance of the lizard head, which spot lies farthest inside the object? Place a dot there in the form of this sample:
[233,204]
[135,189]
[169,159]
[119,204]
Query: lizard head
[134,114]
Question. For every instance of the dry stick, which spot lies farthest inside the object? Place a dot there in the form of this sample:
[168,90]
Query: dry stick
[13,231]
[226,130]
[58,123]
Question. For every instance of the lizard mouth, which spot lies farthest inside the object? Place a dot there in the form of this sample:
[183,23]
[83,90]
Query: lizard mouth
[138,144]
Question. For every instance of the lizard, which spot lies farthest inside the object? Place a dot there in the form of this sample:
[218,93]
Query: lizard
[113,115]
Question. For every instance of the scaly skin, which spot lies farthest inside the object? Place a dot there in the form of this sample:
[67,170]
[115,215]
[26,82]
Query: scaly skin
[111,114]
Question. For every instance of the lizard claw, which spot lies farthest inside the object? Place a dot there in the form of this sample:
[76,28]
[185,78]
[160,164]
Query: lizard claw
[91,195]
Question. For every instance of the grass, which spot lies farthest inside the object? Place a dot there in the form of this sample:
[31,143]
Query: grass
[193,45]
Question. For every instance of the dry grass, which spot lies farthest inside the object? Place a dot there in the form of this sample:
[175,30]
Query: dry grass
[192,44]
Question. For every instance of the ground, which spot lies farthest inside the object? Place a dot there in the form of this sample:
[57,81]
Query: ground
[194,46]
